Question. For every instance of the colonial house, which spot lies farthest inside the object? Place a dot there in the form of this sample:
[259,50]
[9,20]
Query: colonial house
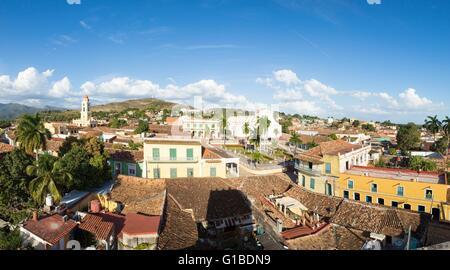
[169,158]
[411,190]
[319,168]
[51,232]
[126,162]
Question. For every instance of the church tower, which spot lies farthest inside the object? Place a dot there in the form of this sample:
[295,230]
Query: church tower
[85,113]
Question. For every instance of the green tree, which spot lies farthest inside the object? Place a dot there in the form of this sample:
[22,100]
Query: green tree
[295,139]
[31,134]
[10,240]
[408,137]
[421,164]
[142,127]
[224,123]
[117,123]
[246,129]
[356,123]
[13,178]
[433,125]
[333,136]
[392,151]
[47,172]
[368,127]
[446,131]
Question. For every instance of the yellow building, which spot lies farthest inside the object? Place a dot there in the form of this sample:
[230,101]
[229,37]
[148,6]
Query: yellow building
[319,168]
[170,158]
[416,191]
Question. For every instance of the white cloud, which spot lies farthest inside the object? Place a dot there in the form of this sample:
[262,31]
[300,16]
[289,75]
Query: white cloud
[61,88]
[413,100]
[74,2]
[374,2]
[85,25]
[286,76]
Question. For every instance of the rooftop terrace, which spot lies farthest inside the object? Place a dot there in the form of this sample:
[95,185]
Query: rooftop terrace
[398,174]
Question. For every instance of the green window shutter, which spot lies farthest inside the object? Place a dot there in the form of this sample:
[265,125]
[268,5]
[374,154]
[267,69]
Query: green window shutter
[190,172]
[190,154]
[212,171]
[173,173]
[312,183]
[155,153]
[173,154]
[156,173]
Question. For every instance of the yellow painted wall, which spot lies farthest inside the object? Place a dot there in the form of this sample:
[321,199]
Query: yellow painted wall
[413,194]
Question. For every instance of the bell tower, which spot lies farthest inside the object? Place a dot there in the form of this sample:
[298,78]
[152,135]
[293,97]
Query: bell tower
[85,113]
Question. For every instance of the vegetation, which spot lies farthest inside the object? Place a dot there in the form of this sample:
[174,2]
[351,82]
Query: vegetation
[141,104]
[333,137]
[59,116]
[5,123]
[295,139]
[31,134]
[117,123]
[408,137]
[142,127]
[422,164]
[368,127]
[47,172]
[356,123]
[10,240]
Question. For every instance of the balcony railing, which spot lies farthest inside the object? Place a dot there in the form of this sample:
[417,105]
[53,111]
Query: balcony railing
[173,160]
[307,170]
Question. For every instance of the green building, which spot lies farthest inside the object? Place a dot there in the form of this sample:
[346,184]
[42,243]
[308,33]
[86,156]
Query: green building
[126,162]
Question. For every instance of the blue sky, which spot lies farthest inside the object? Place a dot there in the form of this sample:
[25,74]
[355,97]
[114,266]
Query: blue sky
[385,60]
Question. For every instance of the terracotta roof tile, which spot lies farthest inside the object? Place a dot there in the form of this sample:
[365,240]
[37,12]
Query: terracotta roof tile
[329,148]
[126,155]
[96,225]
[51,228]
[5,148]
[140,195]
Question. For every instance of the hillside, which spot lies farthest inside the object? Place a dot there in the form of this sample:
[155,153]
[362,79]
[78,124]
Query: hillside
[134,104]
[11,111]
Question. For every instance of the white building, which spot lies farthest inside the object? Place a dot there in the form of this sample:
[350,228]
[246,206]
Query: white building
[85,119]
[199,127]
[235,125]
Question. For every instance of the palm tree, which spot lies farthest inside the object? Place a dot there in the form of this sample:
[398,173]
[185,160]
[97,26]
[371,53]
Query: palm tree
[224,125]
[31,134]
[246,130]
[256,157]
[263,126]
[295,139]
[46,175]
[446,130]
[433,125]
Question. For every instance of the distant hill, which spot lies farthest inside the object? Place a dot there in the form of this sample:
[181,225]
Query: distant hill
[133,104]
[11,111]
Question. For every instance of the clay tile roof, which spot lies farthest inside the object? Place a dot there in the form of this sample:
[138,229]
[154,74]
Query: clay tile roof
[96,225]
[50,228]
[54,145]
[137,224]
[140,195]
[208,198]
[209,154]
[5,148]
[126,155]
[334,237]
[329,148]
[179,230]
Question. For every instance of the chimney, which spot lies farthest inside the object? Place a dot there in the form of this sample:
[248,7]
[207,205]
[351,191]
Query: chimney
[35,216]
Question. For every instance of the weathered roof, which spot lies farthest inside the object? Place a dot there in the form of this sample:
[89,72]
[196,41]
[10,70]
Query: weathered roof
[125,155]
[137,224]
[50,228]
[140,195]
[179,230]
[102,229]
[54,145]
[331,148]
[334,237]
[209,198]
[5,148]
[172,142]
